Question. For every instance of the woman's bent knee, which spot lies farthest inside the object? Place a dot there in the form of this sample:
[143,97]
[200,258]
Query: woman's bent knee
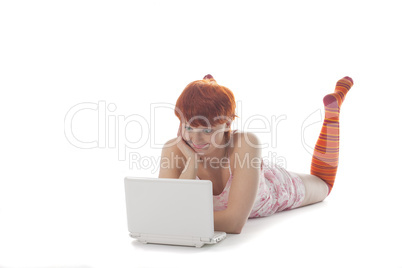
[316,189]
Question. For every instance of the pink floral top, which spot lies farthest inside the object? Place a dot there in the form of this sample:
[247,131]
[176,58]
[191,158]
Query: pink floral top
[278,190]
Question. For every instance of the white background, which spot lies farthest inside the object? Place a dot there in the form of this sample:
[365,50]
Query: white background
[63,206]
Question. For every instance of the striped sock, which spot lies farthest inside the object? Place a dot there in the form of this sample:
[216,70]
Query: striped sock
[326,152]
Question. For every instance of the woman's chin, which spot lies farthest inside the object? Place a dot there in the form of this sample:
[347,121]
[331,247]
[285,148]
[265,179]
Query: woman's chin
[203,152]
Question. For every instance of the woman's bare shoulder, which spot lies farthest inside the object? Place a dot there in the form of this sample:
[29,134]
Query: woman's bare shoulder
[172,160]
[170,143]
[171,146]
[245,140]
[246,147]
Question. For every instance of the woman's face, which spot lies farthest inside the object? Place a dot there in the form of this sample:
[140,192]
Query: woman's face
[205,140]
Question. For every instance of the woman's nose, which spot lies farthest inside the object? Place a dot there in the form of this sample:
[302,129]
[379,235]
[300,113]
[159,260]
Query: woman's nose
[197,138]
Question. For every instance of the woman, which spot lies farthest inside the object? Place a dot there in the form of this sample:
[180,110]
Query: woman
[243,186]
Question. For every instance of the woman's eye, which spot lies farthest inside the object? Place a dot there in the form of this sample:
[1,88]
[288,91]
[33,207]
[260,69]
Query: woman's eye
[207,131]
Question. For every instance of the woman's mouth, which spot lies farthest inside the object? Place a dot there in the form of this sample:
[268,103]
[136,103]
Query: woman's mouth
[200,146]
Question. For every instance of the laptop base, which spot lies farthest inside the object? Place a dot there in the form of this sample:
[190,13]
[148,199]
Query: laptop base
[197,242]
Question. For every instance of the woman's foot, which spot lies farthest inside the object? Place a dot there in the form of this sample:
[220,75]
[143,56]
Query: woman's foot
[334,100]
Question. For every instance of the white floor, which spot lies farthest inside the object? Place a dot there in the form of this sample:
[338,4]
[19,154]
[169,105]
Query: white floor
[78,229]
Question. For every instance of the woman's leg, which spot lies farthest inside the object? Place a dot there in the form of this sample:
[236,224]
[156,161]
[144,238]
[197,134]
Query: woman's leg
[316,189]
[324,165]
[326,152]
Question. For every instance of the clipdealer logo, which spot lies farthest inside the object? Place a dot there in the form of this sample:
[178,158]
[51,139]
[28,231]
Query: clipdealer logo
[112,131]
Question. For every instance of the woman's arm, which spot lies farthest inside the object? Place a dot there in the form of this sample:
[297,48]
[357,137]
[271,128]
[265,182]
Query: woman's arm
[190,170]
[180,160]
[172,161]
[243,191]
[174,164]
[224,223]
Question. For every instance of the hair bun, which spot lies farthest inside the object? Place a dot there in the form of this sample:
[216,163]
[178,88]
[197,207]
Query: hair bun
[208,76]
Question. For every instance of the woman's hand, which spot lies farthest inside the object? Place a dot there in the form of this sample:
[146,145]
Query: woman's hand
[186,149]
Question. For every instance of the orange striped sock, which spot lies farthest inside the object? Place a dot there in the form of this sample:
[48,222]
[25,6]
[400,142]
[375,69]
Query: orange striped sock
[326,152]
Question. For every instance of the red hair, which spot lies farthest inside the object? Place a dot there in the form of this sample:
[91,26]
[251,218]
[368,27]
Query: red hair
[203,100]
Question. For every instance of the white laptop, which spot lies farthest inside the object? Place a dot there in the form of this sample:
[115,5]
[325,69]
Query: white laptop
[171,211]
